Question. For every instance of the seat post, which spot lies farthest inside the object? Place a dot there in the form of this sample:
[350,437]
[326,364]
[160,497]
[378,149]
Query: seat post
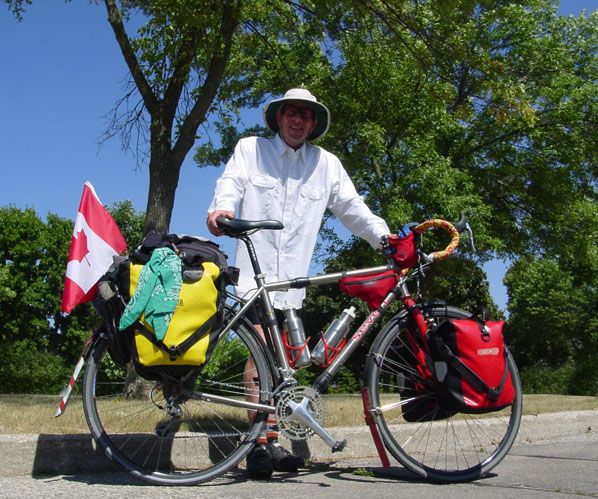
[270,316]
[252,254]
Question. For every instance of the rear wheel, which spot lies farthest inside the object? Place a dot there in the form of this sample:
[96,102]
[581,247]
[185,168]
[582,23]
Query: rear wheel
[415,429]
[161,434]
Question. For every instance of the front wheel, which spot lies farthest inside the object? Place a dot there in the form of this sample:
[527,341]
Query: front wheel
[416,430]
[159,432]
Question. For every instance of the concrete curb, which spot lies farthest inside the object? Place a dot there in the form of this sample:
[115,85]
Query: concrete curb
[68,454]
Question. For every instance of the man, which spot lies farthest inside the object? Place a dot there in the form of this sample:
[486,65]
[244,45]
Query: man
[286,178]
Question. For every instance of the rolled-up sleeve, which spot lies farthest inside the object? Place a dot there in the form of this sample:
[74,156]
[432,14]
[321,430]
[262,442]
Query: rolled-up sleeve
[348,206]
[231,184]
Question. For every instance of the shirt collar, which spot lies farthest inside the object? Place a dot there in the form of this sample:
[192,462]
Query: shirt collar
[283,148]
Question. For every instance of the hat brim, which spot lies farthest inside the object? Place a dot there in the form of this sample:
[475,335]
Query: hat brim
[322,115]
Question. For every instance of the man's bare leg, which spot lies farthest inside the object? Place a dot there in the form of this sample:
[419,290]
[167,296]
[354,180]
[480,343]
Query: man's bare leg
[268,455]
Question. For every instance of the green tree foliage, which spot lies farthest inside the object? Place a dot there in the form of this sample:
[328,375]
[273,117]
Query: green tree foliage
[17,7]
[32,263]
[129,221]
[229,352]
[41,345]
[553,327]
[449,105]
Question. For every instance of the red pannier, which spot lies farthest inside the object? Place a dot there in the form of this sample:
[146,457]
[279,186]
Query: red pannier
[417,384]
[470,364]
[371,288]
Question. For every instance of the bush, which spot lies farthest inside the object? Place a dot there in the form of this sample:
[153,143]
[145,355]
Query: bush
[584,380]
[23,369]
[546,379]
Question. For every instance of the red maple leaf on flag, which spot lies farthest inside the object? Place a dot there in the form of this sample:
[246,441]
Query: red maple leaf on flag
[79,247]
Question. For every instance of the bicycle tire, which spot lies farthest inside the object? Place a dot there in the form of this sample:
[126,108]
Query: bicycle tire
[453,447]
[204,441]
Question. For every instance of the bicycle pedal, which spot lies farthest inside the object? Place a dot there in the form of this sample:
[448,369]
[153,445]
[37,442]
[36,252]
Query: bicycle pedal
[339,446]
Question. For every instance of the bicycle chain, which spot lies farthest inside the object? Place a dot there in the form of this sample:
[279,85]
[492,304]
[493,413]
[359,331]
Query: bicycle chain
[237,387]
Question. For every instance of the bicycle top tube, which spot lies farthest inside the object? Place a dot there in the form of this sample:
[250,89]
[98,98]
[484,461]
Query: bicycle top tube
[247,301]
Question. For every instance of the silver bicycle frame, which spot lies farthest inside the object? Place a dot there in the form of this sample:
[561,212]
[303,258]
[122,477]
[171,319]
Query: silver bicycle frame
[286,371]
[263,291]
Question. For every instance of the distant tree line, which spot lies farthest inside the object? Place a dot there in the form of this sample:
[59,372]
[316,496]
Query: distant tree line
[550,317]
[41,346]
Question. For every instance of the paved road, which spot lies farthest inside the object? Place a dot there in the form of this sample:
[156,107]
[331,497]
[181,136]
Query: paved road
[543,464]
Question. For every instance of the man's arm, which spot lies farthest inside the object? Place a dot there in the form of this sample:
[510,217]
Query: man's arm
[229,190]
[351,210]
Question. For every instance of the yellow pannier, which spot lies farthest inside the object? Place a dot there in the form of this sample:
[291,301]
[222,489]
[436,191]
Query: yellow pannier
[187,341]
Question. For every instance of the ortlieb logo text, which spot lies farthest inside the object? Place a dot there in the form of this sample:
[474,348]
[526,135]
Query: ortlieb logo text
[488,351]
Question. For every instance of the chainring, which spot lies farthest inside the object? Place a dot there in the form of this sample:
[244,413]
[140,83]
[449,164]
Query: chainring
[294,430]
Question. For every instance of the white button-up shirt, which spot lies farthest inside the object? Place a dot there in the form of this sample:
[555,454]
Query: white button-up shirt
[267,179]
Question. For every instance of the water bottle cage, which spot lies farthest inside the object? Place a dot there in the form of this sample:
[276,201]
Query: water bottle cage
[331,352]
[293,352]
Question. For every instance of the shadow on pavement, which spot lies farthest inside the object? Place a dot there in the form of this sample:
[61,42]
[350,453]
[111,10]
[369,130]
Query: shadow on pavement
[66,454]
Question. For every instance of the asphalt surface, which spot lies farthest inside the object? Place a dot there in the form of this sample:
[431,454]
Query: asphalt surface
[556,455]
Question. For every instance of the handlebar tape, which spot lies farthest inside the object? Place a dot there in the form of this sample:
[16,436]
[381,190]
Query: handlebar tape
[446,226]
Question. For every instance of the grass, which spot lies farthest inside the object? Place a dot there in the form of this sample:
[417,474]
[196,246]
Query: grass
[23,414]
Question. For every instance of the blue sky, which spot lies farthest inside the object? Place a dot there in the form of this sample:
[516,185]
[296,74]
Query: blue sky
[63,72]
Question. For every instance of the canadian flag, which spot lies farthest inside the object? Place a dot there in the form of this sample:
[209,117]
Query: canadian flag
[96,239]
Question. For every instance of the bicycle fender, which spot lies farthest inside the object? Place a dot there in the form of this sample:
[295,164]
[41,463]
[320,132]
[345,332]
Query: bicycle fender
[66,392]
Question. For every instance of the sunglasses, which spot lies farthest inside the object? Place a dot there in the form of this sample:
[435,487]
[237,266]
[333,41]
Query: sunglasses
[305,113]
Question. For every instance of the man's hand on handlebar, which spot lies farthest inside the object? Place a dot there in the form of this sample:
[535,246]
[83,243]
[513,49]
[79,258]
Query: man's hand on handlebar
[213,224]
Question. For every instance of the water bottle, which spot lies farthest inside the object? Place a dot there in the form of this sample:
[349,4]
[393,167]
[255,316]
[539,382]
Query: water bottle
[333,336]
[299,353]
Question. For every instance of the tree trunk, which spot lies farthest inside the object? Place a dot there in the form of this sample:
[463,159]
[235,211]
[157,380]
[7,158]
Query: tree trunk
[164,179]
[164,168]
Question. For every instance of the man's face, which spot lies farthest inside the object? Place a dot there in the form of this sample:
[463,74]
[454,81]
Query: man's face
[295,121]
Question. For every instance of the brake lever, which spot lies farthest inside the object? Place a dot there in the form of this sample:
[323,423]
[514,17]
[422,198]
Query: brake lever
[425,257]
[470,233]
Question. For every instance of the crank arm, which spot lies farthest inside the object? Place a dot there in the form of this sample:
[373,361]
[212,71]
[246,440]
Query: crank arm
[302,415]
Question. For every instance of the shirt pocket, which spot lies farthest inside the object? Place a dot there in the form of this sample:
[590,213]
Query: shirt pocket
[310,204]
[263,193]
